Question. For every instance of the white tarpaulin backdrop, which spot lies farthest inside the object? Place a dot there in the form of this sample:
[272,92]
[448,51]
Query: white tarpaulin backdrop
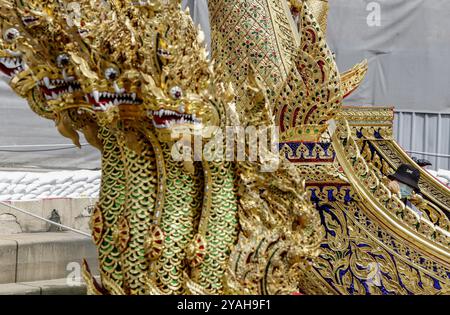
[407,43]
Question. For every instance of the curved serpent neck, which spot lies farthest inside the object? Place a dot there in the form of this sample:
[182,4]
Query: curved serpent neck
[253,33]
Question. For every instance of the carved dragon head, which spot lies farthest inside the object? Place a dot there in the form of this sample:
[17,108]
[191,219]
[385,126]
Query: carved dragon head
[180,92]
[11,58]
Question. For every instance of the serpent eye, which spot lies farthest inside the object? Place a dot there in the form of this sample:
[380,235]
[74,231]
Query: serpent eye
[62,60]
[11,34]
[111,74]
[176,92]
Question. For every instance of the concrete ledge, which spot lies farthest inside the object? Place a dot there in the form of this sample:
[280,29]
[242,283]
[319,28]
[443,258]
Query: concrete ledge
[8,260]
[18,289]
[58,287]
[48,287]
[43,256]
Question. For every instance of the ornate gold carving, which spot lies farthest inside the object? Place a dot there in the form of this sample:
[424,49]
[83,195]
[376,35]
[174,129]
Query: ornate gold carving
[369,122]
[352,79]
[253,34]
[429,237]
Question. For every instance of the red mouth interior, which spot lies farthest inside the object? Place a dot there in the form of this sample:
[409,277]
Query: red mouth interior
[57,90]
[8,71]
[162,120]
[101,100]
[61,88]
[172,116]
[104,100]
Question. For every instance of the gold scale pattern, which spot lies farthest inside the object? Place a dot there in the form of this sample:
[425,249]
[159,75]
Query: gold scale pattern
[134,223]
[179,221]
[110,207]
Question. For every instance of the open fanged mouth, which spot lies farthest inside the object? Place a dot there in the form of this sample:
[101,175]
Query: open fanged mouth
[11,66]
[53,89]
[28,20]
[104,100]
[163,119]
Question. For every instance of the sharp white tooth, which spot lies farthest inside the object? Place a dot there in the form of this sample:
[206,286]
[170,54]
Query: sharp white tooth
[133,96]
[70,89]
[86,99]
[117,89]
[48,97]
[54,95]
[96,96]
[8,63]
[47,83]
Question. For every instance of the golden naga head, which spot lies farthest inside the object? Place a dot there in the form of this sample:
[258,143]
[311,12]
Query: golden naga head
[11,58]
[179,92]
[148,65]
[40,44]
[106,59]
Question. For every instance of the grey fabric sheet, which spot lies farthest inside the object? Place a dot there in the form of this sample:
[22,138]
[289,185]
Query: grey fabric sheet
[19,126]
[409,68]
[408,51]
